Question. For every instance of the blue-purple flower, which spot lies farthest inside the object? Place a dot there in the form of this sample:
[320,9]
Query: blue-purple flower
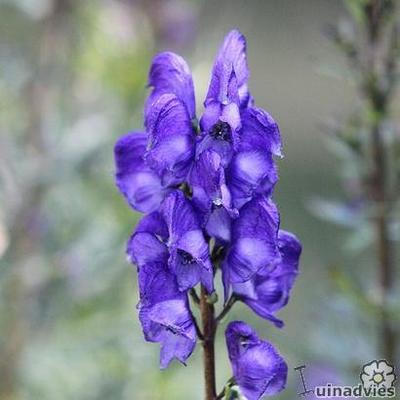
[227,94]
[268,290]
[149,164]
[207,191]
[211,195]
[254,244]
[258,369]
[163,309]
[175,232]
[140,185]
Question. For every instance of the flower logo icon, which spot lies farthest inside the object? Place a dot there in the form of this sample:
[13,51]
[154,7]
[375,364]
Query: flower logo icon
[378,373]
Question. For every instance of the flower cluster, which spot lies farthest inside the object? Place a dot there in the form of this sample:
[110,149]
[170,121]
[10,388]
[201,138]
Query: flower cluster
[206,187]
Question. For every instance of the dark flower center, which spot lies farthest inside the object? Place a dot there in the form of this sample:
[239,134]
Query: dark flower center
[221,131]
[186,258]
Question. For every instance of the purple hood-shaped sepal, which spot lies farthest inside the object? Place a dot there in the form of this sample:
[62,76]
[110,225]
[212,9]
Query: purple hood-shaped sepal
[253,169]
[227,94]
[169,112]
[170,74]
[137,182]
[175,231]
[163,310]
[211,196]
[254,242]
[268,291]
[189,256]
[170,324]
[170,147]
[257,367]
[230,72]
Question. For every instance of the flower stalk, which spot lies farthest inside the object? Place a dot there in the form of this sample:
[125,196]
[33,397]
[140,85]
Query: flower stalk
[209,329]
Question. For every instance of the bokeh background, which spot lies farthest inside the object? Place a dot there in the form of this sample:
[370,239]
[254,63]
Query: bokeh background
[72,80]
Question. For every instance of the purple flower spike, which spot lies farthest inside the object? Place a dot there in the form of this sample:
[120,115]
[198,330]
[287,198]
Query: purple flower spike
[207,195]
[254,242]
[268,291]
[189,256]
[137,182]
[257,367]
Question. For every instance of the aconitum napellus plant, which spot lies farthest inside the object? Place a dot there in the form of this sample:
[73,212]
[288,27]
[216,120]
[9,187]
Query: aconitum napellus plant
[206,189]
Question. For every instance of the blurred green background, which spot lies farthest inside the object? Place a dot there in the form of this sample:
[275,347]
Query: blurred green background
[72,80]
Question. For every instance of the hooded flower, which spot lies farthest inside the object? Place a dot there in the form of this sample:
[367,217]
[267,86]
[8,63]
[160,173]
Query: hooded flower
[254,243]
[175,231]
[211,196]
[163,310]
[189,257]
[169,112]
[169,74]
[227,93]
[137,182]
[149,164]
[253,168]
[257,367]
[245,137]
[268,291]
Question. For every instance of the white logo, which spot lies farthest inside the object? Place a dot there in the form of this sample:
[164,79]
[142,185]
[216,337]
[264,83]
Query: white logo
[378,374]
[377,380]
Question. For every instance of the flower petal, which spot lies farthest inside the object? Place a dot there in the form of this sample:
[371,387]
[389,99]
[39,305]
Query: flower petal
[260,131]
[251,172]
[156,284]
[268,290]
[170,147]
[189,257]
[257,367]
[137,182]
[254,240]
[155,224]
[211,196]
[178,215]
[169,73]
[170,323]
[219,224]
[230,65]
[144,248]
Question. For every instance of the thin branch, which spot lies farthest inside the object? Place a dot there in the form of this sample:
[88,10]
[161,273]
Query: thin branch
[195,297]
[379,98]
[197,327]
[232,300]
[221,395]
